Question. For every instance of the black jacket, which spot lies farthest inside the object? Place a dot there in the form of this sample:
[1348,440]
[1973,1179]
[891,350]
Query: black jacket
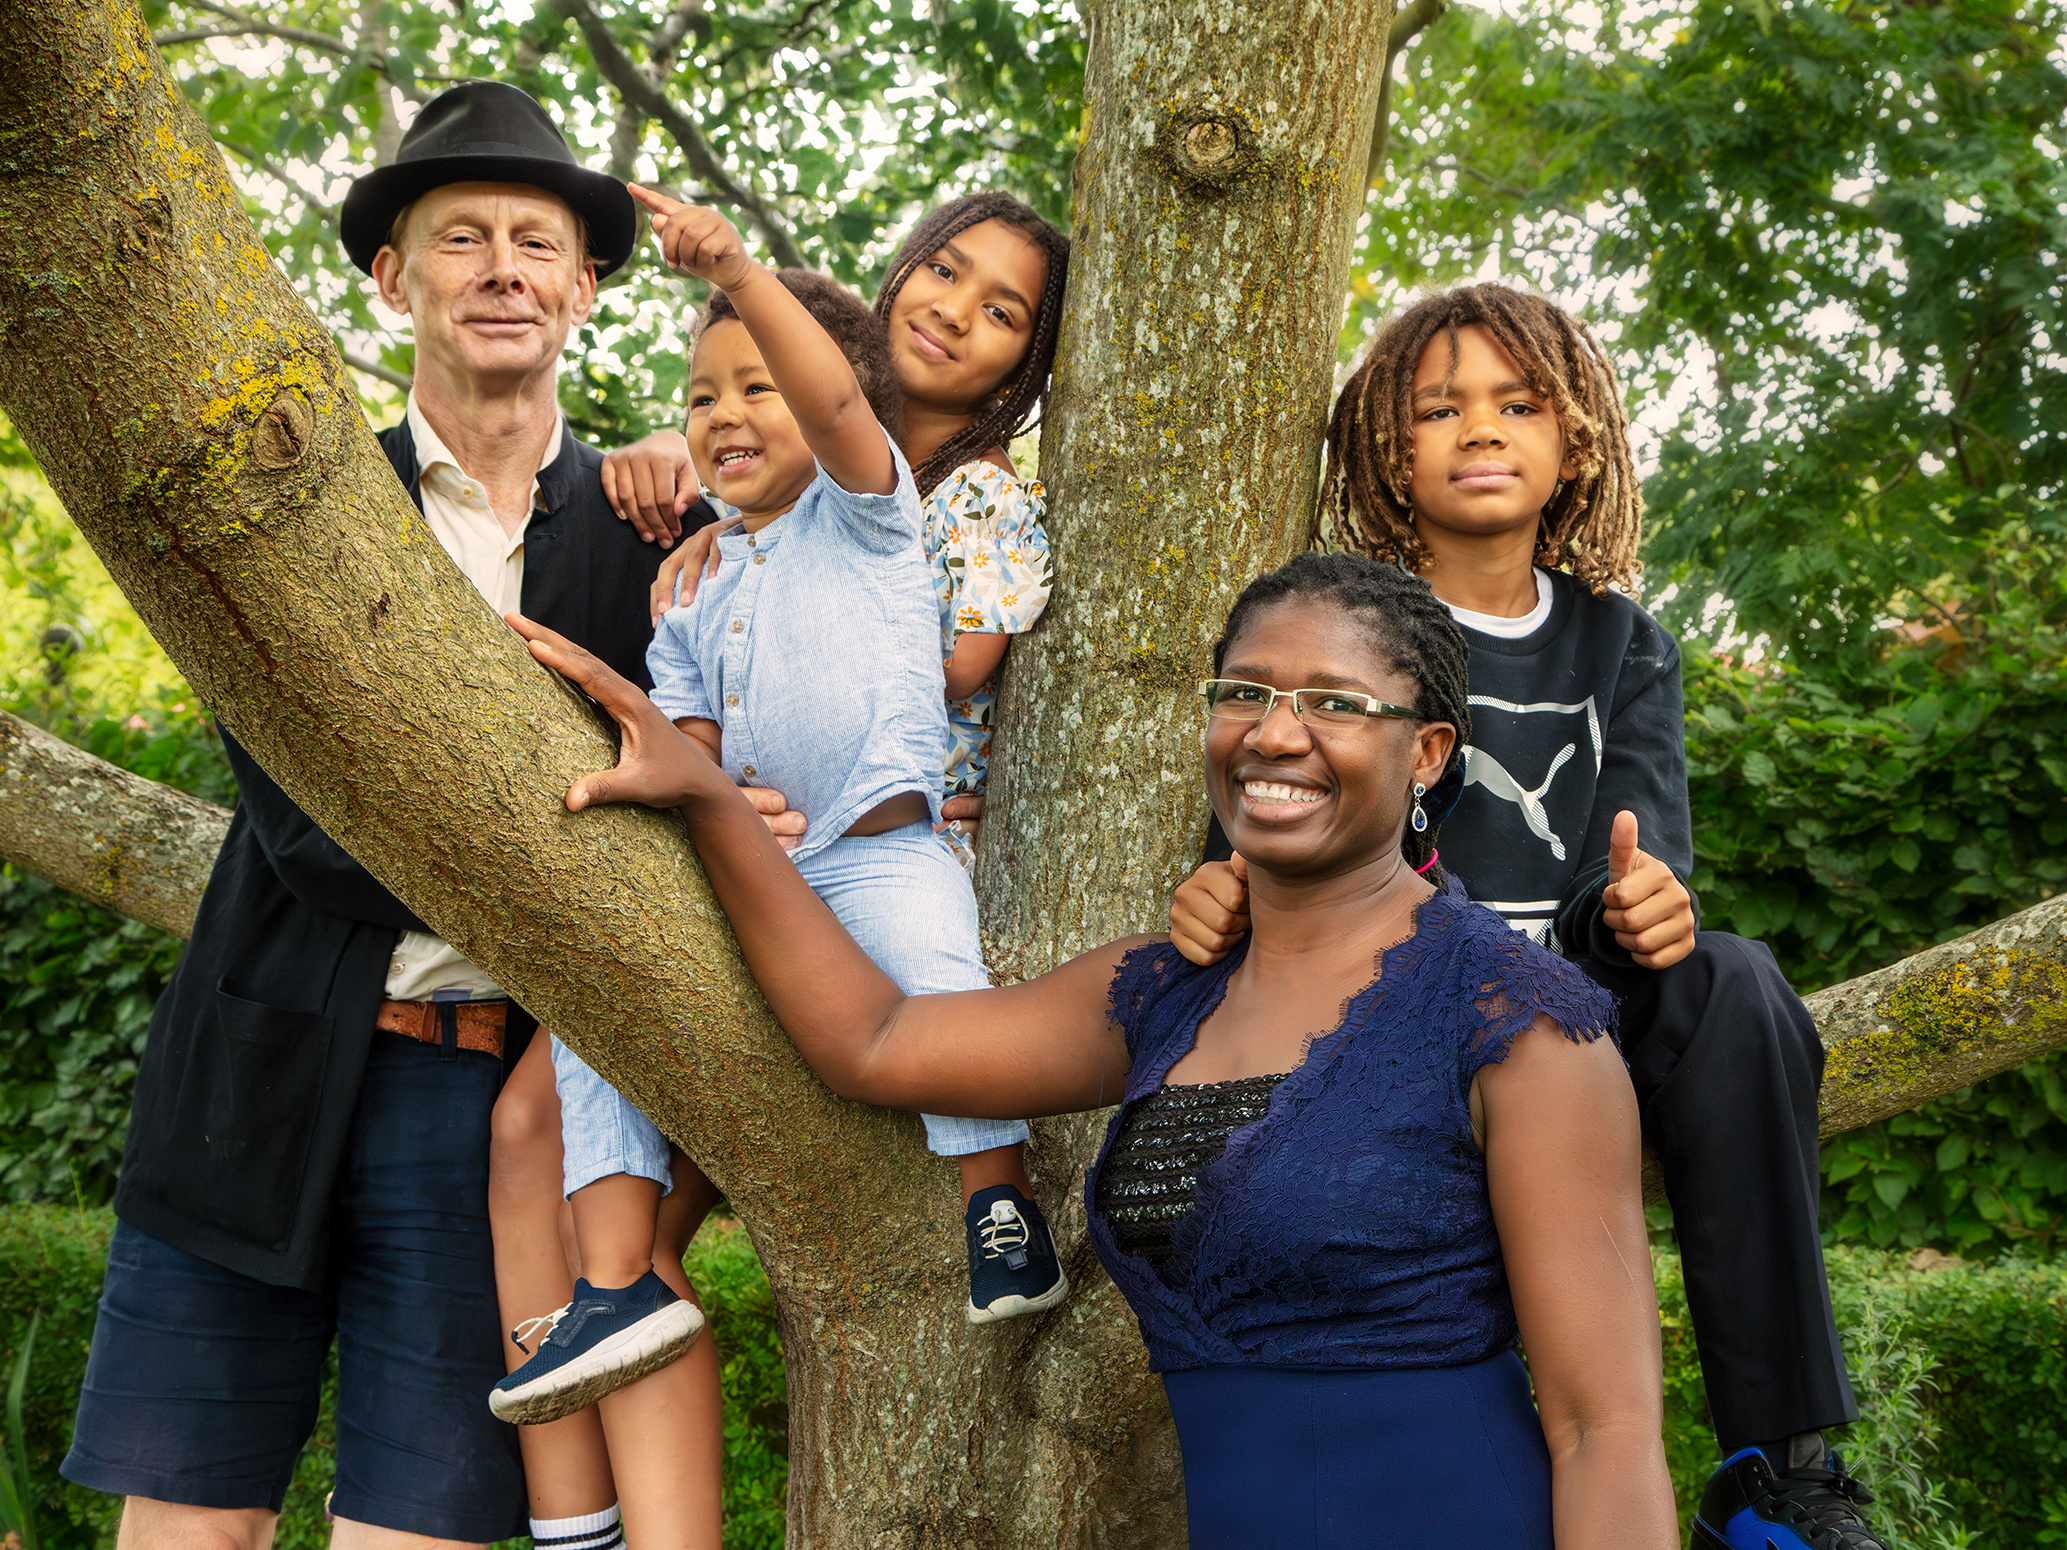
[251,1073]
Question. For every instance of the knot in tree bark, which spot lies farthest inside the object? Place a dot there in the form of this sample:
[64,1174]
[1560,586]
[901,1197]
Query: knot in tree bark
[1207,147]
[285,432]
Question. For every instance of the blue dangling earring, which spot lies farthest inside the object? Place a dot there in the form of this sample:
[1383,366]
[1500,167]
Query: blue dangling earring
[1420,816]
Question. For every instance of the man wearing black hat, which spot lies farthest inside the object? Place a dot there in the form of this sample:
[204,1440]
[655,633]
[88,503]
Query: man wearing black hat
[308,1149]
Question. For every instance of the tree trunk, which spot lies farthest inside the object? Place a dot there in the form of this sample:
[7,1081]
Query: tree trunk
[192,416]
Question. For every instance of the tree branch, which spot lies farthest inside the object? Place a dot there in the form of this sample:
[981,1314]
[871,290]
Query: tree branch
[374,368]
[651,99]
[1407,25]
[278,174]
[248,25]
[113,838]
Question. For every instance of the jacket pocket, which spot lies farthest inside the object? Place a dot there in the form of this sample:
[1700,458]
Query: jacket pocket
[248,1099]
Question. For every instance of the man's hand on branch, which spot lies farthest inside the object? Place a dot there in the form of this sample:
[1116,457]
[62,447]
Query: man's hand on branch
[1648,909]
[698,240]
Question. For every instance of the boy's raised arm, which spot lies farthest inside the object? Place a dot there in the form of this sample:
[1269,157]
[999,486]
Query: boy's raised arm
[809,370]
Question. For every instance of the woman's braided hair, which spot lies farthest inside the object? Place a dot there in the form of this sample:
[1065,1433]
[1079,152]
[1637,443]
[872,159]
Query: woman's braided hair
[1590,526]
[1411,629]
[1021,401]
[846,318]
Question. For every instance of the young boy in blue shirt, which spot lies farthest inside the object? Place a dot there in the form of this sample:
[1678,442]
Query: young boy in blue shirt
[1481,443]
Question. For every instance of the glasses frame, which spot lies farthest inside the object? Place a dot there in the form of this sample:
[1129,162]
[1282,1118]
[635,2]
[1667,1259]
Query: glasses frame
[1374,707]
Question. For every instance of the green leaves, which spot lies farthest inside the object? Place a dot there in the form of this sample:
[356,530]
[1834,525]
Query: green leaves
[842,118]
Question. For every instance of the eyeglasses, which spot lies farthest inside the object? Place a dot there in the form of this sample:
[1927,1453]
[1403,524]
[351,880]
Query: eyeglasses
[1230,699]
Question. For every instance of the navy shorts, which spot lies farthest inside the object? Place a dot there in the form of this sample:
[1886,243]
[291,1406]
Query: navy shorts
[203,1384]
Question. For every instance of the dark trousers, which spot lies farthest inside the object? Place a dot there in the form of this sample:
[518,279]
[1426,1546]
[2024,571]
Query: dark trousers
[202,1384]
[1727,1065]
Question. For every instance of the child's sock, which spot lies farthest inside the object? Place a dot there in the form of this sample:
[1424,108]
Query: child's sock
[591,1531]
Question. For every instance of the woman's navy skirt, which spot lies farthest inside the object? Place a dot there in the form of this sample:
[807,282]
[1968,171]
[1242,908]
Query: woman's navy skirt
[1355,1458]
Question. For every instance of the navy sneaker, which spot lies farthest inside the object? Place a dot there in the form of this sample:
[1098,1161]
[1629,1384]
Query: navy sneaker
[1748,1507]
[594,1346]
[1012,1263]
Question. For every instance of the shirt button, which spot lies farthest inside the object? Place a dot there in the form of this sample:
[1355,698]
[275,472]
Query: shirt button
[748,772]
[760,559]
[731,699]
[750,541]
[738,626]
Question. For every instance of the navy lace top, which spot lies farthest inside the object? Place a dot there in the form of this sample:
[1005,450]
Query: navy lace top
[1349,1226]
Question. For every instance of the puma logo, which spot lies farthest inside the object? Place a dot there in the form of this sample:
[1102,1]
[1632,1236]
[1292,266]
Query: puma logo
[1482,769]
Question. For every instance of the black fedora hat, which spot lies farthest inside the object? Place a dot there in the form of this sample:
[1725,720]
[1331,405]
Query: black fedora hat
[487,132]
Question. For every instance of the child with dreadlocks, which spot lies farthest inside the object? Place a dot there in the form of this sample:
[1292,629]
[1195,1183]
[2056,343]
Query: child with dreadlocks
[1481,443]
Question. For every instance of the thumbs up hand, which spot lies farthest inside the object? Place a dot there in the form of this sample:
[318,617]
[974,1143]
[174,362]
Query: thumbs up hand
[1648,909]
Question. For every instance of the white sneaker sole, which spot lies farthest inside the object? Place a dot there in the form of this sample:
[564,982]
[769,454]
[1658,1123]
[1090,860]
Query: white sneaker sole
[1016,1306]
[627,1356]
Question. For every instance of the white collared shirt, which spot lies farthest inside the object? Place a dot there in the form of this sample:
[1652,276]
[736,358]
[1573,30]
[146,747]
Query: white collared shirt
[457,509]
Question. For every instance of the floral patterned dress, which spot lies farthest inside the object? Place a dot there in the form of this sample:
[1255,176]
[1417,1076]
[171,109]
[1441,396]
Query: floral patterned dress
[989,557]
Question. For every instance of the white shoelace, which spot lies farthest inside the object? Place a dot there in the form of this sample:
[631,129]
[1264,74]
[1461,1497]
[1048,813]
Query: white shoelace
[1002,1231]
[551,1321]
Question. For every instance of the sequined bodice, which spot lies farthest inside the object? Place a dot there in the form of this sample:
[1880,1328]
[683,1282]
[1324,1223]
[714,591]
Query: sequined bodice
[1150,1178]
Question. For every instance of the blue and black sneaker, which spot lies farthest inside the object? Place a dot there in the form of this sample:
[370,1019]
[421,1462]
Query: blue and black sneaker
[594,1346]
[1814,1507]
[1012,1263]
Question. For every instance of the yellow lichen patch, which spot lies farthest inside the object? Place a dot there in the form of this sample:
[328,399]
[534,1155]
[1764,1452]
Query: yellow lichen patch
[1944,1028]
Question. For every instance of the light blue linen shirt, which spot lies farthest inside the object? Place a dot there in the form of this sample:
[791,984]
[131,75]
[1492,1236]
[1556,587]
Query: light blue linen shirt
[816,649]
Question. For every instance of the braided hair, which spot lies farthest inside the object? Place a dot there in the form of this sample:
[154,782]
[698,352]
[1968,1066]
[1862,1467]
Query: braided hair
[1021,401]
[1413,633]
[1590,525]
[847,320]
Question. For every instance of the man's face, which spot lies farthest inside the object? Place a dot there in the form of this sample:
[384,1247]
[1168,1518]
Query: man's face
[489,275]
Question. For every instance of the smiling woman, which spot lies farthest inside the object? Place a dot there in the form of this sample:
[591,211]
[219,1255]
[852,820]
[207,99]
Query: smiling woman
[1353,1162]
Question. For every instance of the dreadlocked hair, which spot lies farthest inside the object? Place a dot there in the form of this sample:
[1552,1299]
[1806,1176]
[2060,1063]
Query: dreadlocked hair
[1411,630]
[1590,525]
[1020,402]
[844,316]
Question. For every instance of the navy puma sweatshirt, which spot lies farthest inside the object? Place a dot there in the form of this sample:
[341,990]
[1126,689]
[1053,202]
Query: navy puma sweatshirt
[1570,725]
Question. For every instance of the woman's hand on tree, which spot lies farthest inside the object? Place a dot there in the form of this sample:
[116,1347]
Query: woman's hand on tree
[650,484]
[697,558]
[1648,909]
[1210,911]
[658,765]
[697,239]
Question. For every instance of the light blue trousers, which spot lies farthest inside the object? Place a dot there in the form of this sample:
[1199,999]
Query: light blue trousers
[908,904]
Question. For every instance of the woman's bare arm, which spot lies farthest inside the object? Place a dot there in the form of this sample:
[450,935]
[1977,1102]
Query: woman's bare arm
[1044,1047]
[1563,1155]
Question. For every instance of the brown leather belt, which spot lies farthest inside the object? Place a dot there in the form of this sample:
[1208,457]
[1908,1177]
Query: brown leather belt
[478,1024]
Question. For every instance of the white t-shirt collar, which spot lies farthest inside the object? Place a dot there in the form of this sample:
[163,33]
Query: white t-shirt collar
[1509,629]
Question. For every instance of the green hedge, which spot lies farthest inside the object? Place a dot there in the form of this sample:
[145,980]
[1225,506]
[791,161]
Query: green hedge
[51,1258]
[1961,1373]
